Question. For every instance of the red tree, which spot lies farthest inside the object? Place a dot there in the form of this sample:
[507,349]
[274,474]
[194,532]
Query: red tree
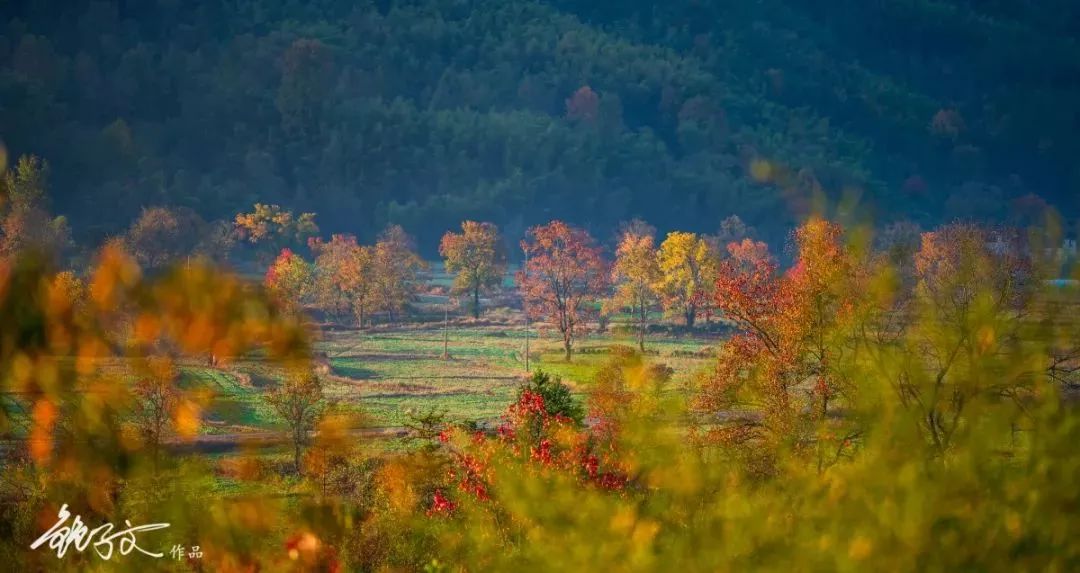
[584,105]
[531,432]
[564,276]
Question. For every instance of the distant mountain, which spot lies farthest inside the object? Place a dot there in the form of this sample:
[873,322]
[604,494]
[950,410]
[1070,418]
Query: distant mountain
[430,111]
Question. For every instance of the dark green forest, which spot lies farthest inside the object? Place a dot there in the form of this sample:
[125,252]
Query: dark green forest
[427,112]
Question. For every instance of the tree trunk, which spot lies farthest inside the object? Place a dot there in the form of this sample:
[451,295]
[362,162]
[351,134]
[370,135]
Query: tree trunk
[296,451]
[641,330]
[567,347]
[476,301]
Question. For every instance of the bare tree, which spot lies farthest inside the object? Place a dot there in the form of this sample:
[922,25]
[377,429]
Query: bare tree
[156,400]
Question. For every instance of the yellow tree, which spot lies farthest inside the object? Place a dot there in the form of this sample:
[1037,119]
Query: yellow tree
[688,265]
[156,398]
[477,259]
[269,228]
[635,274]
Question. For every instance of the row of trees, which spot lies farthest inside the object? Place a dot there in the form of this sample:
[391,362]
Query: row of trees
[349,278]
[565,279]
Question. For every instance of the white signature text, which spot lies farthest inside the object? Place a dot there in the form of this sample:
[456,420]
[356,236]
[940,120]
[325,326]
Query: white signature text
[62,536]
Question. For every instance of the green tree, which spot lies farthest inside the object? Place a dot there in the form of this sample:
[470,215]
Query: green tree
[300,402]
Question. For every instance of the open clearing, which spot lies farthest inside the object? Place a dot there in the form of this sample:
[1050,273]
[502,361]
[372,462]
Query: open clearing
[387,373]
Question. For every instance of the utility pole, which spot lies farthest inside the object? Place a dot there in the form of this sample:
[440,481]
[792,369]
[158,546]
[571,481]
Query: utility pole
[445,330]
[524,308]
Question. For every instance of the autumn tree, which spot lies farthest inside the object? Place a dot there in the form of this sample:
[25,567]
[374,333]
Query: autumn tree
[291,278]
[795,331]
[687,268]
[269,228]
[300,402]
[70,287]
[635,274]
[565,274]
[959,262]
[75,403]
[216,241]
[396,270]
[583,106]
[25,222]
[477,259]
[156,400]
[344,275]
[161,236]
[747,253]
[971,301]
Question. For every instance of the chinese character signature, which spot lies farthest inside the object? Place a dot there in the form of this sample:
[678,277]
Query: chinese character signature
[178,552]
[61,537]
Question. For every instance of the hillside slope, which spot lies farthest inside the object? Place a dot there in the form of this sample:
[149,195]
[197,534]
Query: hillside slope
[424,112]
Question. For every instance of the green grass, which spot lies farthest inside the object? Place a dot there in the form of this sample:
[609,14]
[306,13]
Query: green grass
[234,406]
[388,373]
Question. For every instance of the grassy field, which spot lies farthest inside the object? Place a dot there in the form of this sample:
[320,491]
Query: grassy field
[389,372]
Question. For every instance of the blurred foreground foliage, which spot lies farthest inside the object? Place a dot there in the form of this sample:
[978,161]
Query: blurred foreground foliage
[915,416]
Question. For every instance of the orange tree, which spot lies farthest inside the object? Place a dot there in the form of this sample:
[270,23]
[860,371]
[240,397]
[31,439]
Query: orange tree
[396,270]
[779,375]
[69,409]
[344,275]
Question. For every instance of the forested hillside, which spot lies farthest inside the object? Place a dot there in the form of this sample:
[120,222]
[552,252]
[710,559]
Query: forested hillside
[427,112]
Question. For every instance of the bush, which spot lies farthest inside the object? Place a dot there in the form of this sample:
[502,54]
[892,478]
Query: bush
[558,400]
